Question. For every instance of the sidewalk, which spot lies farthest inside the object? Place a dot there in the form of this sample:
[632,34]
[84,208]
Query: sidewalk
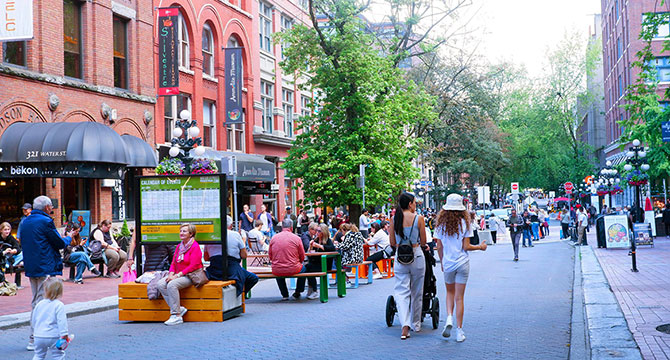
[644,297]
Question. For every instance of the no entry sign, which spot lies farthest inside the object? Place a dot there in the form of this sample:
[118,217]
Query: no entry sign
[515,188]
[569,186]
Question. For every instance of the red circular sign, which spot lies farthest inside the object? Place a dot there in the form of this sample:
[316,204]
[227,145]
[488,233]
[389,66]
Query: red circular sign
[569,186]
[515,186]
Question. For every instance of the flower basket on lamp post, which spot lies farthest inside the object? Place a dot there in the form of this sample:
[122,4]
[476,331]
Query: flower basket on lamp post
[172,166]
[637,178]
[204,166]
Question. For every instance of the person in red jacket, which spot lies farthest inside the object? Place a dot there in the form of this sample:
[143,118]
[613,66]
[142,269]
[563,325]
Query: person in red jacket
[287,255]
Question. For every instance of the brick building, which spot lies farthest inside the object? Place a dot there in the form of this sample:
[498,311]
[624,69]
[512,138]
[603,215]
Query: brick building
[89,64]
[621,25]
[271,100]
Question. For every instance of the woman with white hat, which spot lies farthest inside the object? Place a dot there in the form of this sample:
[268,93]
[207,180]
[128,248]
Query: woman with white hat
[453,232]
[408,236]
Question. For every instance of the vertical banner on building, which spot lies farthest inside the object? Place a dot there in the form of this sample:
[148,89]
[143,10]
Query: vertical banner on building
[233,79]
[16,20]
[168,51]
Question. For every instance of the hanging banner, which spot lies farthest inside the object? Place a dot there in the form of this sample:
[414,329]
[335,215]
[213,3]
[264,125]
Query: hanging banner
[233,58]
[16,20]
[168,51]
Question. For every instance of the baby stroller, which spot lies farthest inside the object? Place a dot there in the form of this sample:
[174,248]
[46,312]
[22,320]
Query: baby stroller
[431,305]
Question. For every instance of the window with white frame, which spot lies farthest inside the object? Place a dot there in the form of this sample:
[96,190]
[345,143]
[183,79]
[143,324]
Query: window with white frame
[173,106]
[288,104]
[207,51]
[286,23]
[235,136]
[183,38]
[265,23]
[209,123]
[267,98]
[304,106]
[304,4]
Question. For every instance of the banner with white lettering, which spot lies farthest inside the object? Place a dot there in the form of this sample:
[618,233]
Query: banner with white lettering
[233,78]
[168,51]
[16,20]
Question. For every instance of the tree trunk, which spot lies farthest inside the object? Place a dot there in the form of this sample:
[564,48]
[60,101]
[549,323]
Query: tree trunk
[354,213]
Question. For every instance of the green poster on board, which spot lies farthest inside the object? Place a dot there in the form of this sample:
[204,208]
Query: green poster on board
[167,202]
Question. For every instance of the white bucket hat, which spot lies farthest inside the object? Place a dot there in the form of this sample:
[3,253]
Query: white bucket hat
[454,202]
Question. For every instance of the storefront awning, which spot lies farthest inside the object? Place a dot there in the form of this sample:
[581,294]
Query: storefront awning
[140,154]
[250,167]
[75,150]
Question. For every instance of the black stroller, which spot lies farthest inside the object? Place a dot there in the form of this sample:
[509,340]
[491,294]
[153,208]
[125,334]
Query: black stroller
[431,305]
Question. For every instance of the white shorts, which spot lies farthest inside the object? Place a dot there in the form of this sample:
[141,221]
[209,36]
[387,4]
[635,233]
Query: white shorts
[460,275]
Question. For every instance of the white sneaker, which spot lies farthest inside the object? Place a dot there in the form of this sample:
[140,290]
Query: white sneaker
[447,327]
[174,320]
[377,276]
[460,335]
[31,346]
[313,295]
[182,311]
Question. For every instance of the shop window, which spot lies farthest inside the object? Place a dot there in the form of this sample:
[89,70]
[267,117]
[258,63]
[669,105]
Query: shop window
[207,51]
[120,53]
[209,123]
[173,106]
[14,52]
[72,44]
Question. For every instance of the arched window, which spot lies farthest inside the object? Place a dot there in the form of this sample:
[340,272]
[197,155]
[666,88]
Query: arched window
[184,55]
[207,51]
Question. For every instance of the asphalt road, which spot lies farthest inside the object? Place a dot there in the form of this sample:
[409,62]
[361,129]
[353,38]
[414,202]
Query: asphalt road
[513,311]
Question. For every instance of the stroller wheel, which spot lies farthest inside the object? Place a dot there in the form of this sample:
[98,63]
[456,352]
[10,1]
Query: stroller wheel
[390,310]
[435,313]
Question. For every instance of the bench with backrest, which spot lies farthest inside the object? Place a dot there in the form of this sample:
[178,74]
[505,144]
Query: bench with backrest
[17,271]
[73,267]
[214,301]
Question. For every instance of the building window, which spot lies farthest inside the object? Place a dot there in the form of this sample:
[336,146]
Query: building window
[616,8]
[286,23]
[265,21]
[304,4]
[182,36]
[235,136]
[173,106]
[288,104]
[207,51]
[619,50]
[14,52]
[120,53]
[72,44]
[209,123]
[662,66]
[233,43]
[620,87]
[304,106]
[267,98]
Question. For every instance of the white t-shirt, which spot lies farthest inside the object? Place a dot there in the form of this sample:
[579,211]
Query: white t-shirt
[381,239]
[264,218]
[453,254]
[583,219]
[256,234]
[235,244]
[364,222]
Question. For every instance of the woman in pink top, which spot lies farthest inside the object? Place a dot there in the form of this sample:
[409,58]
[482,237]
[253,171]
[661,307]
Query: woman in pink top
[187,258]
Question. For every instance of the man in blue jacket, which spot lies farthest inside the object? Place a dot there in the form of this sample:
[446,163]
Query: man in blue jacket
[41,243]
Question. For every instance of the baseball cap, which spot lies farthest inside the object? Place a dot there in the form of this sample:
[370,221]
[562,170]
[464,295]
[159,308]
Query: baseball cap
[27,206]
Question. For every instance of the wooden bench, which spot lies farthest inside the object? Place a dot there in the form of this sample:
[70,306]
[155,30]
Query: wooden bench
[323,293]
[210,302]
[73,267]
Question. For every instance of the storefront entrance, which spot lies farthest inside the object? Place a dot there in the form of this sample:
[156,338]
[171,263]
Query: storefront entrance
[13,194]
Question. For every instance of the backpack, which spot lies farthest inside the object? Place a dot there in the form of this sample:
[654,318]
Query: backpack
[95,246]
[405,252]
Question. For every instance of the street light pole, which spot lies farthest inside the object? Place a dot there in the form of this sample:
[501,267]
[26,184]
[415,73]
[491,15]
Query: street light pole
[636,160]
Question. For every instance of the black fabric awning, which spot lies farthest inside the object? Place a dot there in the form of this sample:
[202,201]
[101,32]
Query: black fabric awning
[78,150]
[141,155]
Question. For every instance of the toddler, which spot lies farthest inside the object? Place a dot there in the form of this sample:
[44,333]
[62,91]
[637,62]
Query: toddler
[50,323]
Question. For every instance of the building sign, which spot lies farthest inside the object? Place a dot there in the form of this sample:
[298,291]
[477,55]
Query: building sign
[18,112]
[16,20]
[233,79]
[168,202]
[665,131]
[255,171]
[168,51]
[62,170]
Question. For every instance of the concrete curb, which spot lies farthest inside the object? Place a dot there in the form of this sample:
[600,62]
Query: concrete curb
[579,344]
[607,329]
[72,310]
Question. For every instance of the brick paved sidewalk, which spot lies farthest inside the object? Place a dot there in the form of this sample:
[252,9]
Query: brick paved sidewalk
[93,288]
[644,296]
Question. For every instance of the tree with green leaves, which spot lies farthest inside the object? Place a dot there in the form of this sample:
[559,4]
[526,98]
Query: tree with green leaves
[363,108]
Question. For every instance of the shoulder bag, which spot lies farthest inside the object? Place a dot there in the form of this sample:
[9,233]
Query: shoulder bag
[405,252]
[198,277]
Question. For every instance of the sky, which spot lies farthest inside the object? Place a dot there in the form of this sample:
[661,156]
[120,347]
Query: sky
[521,31]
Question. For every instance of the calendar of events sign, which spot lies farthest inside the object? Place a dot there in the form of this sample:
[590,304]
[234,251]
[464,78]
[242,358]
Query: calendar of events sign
[168,202]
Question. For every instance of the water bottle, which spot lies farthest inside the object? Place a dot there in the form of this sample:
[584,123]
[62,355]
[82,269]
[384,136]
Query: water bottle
[62,344]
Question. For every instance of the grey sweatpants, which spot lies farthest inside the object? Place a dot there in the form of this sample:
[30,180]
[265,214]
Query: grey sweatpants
[170,292]
[46,345]
[37,287]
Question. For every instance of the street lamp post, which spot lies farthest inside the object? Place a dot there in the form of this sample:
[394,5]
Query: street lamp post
[636,160]
[185,138]
[609,177]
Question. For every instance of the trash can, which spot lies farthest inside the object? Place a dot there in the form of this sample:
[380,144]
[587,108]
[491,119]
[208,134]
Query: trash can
[600,231]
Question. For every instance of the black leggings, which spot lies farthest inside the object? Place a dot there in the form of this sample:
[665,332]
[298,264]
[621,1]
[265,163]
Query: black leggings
[565,230]
[493,236]
[379,255]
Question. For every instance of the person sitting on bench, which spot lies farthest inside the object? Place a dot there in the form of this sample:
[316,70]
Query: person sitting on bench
[76,254]
[244,280]
[11,249]
[287,255]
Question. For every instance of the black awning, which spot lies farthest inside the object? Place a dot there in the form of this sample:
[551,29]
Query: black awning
[140,154]
[83,149]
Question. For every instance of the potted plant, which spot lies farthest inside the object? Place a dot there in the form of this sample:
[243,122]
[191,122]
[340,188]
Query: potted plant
[171,166]
[637,178]
[204,166]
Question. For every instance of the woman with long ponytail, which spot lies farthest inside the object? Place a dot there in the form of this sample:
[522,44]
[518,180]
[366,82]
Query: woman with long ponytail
[408,229]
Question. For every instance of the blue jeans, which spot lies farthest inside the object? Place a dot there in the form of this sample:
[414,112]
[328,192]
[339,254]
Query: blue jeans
[536,231]
[17,258]
[527,235]
[82,261]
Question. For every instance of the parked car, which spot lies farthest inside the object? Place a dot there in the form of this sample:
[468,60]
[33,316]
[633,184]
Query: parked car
[502,214]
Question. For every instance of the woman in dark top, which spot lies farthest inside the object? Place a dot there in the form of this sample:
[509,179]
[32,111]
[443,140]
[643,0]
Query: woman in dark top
[9,247]
[321,243]
[76,254]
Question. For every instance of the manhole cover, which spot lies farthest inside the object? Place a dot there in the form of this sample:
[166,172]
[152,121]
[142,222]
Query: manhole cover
[665,328]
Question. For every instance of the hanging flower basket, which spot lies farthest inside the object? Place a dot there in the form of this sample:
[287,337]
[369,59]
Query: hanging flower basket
[204,166]
[603,190]
[171,166]
[583,195]
[637,178]
[602,193]
[616,189]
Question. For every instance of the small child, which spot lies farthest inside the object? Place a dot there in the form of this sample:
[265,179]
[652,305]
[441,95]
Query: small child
[50,322]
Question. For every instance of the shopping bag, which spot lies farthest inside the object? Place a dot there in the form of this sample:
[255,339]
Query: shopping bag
[129,276]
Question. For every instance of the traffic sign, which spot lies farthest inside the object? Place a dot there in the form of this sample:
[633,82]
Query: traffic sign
[569,187]
[568,191]
[515,188]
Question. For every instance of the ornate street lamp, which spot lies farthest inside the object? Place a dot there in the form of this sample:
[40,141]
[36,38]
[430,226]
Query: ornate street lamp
[636,159]
[609,177]
[185,138]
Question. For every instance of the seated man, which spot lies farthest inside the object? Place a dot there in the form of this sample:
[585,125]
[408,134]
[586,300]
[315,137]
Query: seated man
[257,234]
[244,280]
[287,255]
